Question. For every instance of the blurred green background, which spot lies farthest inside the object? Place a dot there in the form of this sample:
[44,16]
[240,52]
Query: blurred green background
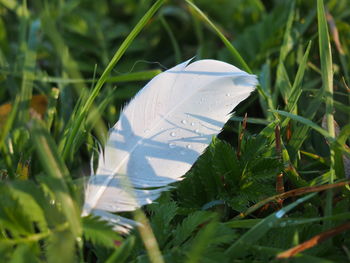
[54,114]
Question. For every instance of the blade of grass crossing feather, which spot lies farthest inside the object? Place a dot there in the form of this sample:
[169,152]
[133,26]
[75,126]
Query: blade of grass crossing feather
[227,43]
[55,168]
[260,229]
[118,54]
[327,81]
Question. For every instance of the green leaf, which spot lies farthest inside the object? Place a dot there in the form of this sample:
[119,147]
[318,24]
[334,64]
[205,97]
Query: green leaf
[99,232]
[189,225]
[32,200]
[163,214]
[226,166]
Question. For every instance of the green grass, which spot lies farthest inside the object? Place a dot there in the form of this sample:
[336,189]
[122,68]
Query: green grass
[86,59]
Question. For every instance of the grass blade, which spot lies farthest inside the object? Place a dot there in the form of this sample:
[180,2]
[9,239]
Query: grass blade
[256,232]
[56,169]
[68,144]
[307,122]
[227,43]
[327,81]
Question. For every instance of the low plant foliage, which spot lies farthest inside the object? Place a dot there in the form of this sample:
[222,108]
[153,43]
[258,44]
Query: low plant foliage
[270,181]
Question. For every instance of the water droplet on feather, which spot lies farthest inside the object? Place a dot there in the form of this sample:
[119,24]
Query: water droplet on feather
[172,145]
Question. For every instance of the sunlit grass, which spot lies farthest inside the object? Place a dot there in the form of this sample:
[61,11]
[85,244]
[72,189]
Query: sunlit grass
[86,59]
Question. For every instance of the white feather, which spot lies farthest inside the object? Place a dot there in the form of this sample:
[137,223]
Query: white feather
[162,132]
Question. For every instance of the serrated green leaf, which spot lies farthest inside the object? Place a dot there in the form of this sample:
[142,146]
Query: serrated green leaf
[99,232]
[163,214]
[31,200]
[189,224]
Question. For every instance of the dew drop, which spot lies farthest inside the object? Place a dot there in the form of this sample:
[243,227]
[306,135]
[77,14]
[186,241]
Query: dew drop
[196,131]
[192,123]
[183,121]
[78,239]
[280,213]
[188,146]
[172,145]
[52,201]
[172,134]
[228,94]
